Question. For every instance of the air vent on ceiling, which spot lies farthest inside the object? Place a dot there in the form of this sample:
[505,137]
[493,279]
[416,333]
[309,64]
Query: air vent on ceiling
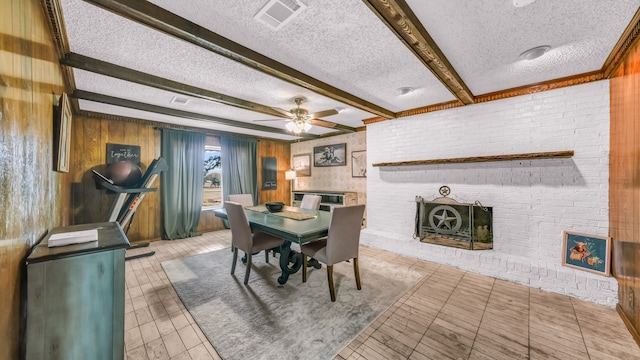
[180,100]
[278,13]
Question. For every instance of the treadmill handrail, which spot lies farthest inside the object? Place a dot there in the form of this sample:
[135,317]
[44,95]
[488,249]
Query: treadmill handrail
[115,188]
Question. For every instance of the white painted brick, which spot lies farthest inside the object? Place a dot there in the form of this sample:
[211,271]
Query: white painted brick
[533,201]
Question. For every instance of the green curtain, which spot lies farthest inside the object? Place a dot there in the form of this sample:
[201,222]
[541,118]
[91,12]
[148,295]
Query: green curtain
[181,191]
[239,167]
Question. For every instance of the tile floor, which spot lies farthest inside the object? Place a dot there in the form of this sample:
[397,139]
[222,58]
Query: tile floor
[449,314]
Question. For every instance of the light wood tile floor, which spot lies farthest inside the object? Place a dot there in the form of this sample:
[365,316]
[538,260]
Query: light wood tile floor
[449,314]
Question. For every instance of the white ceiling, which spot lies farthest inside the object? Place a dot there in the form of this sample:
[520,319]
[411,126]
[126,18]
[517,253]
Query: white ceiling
[342,43]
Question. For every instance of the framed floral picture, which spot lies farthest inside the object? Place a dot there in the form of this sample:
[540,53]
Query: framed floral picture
[586,252]
[330,155]
[301,164]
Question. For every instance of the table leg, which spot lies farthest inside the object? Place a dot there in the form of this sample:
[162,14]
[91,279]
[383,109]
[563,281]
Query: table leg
[291,262]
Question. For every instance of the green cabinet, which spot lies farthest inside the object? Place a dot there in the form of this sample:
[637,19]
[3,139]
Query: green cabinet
[75,297]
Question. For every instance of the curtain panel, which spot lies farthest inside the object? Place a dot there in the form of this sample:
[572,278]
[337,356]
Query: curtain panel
[239,167]
[182,184]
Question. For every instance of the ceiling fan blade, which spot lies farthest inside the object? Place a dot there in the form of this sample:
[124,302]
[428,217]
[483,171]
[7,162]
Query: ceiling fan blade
[285,113]
[274,120]
[331,125]
[324,113]
[323,123]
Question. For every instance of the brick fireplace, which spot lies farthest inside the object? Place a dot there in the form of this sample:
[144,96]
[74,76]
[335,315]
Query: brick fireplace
[447,222]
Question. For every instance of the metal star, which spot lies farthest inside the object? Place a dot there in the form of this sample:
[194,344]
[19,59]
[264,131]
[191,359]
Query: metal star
[445,219]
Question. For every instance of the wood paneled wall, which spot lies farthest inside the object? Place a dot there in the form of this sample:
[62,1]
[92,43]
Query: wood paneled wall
[88,152]
[33,197]
[624,200]
[282,152]
[90,137]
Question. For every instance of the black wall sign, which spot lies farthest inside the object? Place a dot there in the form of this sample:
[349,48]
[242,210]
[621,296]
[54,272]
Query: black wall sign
[269,173]
[120,152]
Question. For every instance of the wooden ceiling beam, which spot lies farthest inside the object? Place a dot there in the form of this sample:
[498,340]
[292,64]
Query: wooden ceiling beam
[108,69]
[151,15]
[110,100]
[401,20]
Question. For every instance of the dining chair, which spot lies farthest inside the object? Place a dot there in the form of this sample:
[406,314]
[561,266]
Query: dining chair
[242,199]
[341,244]
[311,202]
[248,240]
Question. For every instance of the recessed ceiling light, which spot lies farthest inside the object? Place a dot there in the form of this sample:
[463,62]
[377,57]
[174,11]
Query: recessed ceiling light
[535,52]
[522,3]
[404,90]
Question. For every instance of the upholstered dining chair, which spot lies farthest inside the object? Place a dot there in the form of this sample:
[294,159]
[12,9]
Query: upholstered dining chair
[245,239]
[341,244]
[310,201]
[242,199]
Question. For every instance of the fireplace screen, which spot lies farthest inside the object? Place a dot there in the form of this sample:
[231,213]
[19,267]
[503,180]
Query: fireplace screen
[447,222]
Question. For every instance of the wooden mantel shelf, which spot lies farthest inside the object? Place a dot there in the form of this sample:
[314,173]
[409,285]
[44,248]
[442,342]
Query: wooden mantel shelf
[527,156]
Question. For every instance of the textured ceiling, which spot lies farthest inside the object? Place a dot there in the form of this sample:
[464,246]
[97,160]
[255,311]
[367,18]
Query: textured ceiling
[343,44]
[482,39]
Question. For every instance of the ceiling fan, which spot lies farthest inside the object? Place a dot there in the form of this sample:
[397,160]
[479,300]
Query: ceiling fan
[300,120]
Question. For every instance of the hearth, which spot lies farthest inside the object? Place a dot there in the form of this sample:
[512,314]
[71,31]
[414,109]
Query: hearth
[445,221]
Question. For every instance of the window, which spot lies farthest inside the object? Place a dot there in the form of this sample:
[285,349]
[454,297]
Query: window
[212,182]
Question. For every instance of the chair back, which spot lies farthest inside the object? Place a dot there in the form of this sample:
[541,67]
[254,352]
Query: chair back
[240,229]
[242,199]
[344,233]
[311,202]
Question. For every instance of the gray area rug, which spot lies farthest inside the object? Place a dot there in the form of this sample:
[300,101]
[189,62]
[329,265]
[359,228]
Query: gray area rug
[296,321]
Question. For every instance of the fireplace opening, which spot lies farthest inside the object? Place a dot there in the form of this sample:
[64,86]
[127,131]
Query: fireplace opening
[444,221]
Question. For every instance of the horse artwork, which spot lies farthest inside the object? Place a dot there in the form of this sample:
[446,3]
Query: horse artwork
[587,252]
[330,155]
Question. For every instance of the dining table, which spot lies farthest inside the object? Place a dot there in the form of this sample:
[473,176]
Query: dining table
[294,225]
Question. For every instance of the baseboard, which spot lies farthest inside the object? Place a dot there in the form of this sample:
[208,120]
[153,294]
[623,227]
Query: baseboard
[627,322]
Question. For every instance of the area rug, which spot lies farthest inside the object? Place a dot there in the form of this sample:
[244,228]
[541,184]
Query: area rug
[264,320]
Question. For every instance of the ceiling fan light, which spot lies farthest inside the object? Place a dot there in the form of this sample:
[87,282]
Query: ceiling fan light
[298,127]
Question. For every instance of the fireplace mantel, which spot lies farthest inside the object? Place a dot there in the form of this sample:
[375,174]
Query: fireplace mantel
[526,156]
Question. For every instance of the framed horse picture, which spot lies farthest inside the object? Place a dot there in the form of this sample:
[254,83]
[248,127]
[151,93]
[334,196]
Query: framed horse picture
[586,252]
[330,155]
[301,164]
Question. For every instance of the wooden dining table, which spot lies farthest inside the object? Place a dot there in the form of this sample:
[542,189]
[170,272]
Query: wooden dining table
[292,224]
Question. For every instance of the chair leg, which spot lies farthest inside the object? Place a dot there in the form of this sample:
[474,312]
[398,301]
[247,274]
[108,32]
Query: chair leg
[304,267]
[246,273]
[332,290]
[235,259]
[266,256]
[356,271]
